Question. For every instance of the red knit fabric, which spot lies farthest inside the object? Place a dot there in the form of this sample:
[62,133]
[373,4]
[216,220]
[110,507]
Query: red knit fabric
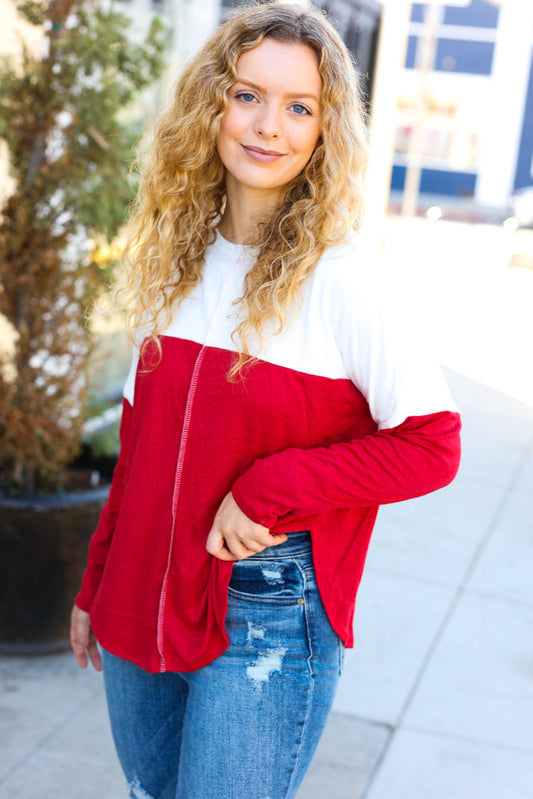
[299,451]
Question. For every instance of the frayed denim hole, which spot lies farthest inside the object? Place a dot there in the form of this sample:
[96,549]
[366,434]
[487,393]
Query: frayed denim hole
[137,791]
[268,663]
[273,574]
[255,633]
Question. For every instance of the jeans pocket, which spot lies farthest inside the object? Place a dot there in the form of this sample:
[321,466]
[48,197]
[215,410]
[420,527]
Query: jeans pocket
[267,581]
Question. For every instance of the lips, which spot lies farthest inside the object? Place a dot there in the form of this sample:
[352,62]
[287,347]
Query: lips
[261,155]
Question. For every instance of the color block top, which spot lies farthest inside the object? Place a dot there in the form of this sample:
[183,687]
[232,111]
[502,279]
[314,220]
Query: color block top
[341,412]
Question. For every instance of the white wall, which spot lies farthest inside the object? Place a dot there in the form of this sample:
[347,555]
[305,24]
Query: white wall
[502,126]
[392,45]
[191,22]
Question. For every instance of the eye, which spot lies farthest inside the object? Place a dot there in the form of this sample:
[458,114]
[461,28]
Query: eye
[246,97]
[300,109]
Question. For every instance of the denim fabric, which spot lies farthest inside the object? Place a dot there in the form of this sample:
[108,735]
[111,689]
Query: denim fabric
[245,726]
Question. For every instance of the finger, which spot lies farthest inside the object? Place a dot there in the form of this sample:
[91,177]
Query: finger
[82,636]
[94,655]
[216,546]
[262,541]
[279,538]
[80,653]
[79,647]
[224,554]
[253,546]
[214,542]
[229,547]
[238,549]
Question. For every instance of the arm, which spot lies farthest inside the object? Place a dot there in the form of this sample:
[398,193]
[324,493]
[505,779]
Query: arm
[416,457]
[416,448]
[101,539]
[82,637]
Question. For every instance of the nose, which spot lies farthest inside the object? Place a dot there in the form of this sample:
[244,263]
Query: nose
[268,125]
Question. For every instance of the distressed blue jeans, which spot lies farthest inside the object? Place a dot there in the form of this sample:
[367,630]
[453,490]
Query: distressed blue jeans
[245,726]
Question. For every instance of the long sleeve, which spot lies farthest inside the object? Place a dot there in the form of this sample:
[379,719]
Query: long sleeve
[340,413]
[416,448]
[416,457]
[101,539]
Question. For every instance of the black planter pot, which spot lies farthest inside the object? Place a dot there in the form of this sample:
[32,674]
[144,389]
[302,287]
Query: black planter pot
[43,550]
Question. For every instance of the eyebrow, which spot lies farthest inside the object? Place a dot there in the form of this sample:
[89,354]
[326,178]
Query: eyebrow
[286,96]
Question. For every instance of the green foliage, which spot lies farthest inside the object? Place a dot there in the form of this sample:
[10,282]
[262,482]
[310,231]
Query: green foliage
[33,11]
[69,153]
[106,442]
[72,99]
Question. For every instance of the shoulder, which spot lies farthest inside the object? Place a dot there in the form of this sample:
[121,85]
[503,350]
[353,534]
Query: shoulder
[365,296]
[352,275]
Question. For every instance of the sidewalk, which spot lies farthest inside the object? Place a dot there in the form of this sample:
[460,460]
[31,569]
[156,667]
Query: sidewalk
[436,700]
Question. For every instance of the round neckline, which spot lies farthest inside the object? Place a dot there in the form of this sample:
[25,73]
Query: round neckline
[231,247]
[226,244]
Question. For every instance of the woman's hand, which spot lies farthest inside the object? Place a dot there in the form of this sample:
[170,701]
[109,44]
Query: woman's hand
[234,536]
[83,640]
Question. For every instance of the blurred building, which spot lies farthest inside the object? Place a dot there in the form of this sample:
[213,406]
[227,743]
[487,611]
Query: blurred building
[478,125]
[478,116]
[191,21]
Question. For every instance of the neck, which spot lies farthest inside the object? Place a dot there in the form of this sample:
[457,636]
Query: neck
[245,210]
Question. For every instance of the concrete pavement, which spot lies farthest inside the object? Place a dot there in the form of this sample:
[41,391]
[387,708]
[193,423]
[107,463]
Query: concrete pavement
[436,700]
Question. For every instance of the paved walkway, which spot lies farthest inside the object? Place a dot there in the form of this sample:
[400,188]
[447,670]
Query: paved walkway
[436,700]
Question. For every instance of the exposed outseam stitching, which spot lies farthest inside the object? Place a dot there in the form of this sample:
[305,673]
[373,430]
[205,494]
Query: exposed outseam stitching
[308,624]
[179,465]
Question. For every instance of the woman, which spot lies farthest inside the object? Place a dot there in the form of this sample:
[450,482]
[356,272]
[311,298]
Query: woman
[273,405]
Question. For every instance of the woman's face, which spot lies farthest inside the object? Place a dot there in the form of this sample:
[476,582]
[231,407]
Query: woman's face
[273,119]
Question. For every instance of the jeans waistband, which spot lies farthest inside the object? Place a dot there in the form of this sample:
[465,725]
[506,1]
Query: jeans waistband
[298,543]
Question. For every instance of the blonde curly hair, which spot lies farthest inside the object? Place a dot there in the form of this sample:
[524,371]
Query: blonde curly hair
[182,190]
